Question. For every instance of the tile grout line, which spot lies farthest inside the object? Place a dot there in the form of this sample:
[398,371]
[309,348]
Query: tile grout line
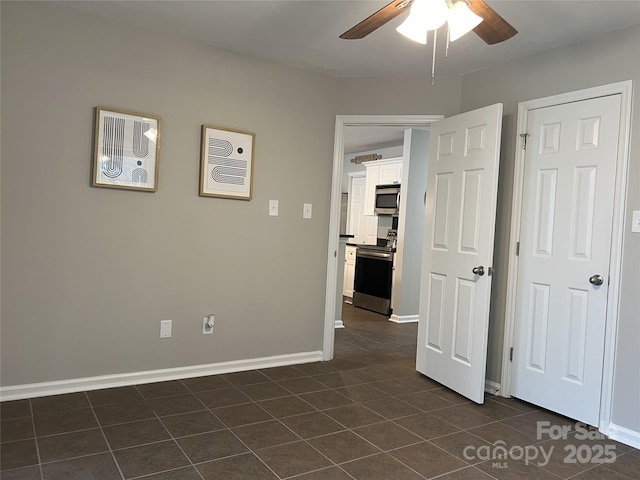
[106,441]
[250,450]
[230,429]
[176,443]
[273,417]
[35,440]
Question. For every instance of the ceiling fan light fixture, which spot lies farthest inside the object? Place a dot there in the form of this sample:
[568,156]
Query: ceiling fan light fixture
[433,13]
[414,29]
[461,20]
[424,15]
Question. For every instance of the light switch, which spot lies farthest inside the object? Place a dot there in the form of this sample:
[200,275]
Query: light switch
[273,208]
[306,210]
[635,222]
[165,328]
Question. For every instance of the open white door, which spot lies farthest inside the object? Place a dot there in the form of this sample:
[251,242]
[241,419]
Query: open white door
[462,184]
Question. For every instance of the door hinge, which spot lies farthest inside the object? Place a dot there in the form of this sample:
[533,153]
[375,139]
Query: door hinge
[511,354]
[524,136]
[517,249]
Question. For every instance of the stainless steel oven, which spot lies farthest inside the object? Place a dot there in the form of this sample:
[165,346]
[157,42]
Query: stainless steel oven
[373,278]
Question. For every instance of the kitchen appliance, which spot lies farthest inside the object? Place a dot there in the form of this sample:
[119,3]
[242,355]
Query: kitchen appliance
[387,199]
[373,278]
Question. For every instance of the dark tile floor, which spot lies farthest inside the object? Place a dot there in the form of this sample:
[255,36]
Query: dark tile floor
[365,415]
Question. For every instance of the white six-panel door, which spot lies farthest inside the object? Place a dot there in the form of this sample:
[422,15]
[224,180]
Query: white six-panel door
[364,227]
[565,242]
[462,184]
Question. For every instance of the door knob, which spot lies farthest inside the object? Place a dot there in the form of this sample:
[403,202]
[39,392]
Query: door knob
[478,270]
[596,280]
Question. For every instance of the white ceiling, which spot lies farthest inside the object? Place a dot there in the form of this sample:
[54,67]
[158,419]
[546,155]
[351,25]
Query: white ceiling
[304,33]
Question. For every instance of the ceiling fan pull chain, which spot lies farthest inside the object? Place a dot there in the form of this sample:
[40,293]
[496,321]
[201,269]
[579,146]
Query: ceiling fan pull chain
[446,50]
[433,65]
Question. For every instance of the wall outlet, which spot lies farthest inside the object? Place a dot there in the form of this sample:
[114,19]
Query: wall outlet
[207,324]
[165,328]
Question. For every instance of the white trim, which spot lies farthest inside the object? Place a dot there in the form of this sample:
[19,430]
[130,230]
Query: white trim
[625,89]
[491,387]
[403,318]
[343,121]
[339,324]
[622,435]
[17,392]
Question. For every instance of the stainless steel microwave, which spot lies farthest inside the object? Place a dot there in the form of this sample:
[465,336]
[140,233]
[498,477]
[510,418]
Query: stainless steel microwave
[387,199]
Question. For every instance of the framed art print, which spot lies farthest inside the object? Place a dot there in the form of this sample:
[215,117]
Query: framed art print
[226,163]
[127,150]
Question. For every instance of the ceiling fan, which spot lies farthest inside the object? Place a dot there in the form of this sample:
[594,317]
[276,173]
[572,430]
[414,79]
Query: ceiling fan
[492,27]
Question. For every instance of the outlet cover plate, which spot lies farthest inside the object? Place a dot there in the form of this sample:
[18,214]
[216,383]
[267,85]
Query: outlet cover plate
[206,331]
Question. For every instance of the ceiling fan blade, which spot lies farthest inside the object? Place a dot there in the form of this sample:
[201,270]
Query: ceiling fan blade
[494,29]
[375,21]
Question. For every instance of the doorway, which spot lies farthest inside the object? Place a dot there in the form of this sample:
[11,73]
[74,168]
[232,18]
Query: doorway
[342,122]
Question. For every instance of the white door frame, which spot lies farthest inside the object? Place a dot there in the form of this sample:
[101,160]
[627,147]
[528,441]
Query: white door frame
[613,298]
[343,121]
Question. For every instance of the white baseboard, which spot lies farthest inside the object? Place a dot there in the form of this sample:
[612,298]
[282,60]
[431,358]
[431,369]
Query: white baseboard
[491,387]
[403,318]
[18,392]
[622,435]
[339,324]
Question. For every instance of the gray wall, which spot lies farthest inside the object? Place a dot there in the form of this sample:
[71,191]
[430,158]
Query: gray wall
[606,59]
[399,95]
[406,294]
[88,273]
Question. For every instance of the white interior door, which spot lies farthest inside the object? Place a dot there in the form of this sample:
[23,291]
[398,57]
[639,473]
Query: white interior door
[462,184]
[356,207]
[565,242]
[363,227]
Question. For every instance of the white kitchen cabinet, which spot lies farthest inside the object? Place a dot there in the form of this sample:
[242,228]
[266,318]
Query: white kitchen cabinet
[390,173]
[349,271]
[380,172]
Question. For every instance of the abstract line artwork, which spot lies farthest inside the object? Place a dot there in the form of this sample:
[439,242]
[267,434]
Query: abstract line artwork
[127,147]
[226,163]
[140,139]
[113,147]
